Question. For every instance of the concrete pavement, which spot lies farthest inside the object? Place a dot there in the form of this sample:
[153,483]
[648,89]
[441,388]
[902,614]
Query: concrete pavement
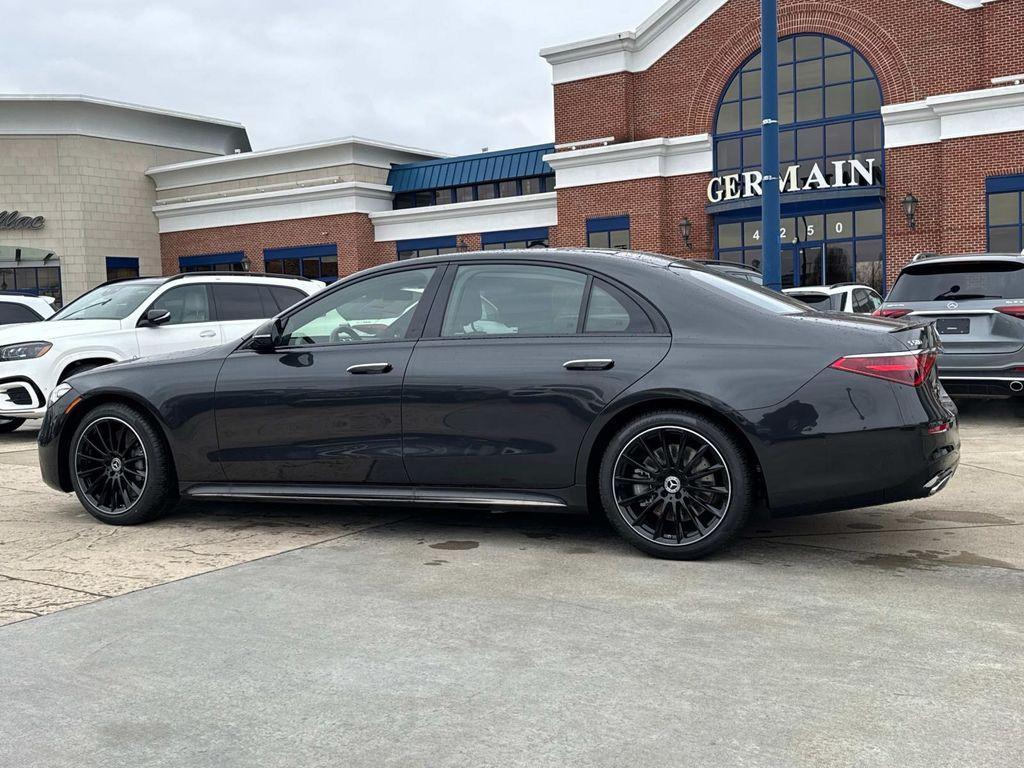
[891,636]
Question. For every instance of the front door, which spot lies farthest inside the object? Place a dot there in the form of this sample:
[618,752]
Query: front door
[326,405]
[522,359]
[192,324]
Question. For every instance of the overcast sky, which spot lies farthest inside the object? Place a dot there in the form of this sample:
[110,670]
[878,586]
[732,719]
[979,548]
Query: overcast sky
[448,75]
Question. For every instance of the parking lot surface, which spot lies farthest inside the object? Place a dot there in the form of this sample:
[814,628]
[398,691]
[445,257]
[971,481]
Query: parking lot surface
[254,635]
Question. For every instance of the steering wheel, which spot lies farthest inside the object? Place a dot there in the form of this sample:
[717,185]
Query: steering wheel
[344,330]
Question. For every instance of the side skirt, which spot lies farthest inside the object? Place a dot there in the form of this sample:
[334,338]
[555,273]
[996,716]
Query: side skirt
[370,494]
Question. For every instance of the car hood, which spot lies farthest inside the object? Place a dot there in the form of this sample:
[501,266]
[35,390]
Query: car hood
[55,329]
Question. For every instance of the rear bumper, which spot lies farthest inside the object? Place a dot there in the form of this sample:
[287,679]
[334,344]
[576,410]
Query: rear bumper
[983,383]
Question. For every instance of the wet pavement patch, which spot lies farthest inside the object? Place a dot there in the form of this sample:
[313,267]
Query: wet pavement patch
[917,559]
[455,545]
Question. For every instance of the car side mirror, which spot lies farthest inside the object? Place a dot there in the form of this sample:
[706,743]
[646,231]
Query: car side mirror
[155,317]
[265,338]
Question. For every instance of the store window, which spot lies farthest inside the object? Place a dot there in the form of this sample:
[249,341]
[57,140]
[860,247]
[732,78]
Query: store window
[1006,214]
[214,262]
[317,262]
[426,246]
[531,185]
[608,232]
[829,109]
[536,237]
[38,281]
[122,268]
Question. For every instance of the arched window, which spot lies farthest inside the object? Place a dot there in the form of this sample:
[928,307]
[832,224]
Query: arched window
[830,112]
[829,109]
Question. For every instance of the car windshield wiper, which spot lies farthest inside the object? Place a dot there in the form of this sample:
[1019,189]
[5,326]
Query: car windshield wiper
[954,296]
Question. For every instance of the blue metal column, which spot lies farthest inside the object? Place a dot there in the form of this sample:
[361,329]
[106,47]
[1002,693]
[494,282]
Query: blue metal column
[771,262]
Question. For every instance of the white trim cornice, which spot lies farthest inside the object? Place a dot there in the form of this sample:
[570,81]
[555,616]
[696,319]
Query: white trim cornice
[281,205]
[678,156]
[351,150]
[636,50]
[954,116]
[467,218]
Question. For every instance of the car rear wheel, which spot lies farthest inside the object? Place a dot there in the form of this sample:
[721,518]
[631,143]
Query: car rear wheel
[676,485]
[120,469]
[9,425]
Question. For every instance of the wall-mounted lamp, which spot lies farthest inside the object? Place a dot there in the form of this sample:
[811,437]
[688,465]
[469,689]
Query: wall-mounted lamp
[685,231]
[910,204]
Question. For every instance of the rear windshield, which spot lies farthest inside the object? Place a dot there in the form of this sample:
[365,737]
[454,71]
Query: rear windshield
[820,301]
[744,290]
[959,282]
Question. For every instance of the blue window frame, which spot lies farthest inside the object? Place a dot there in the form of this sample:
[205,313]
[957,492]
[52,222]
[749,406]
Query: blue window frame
[426,246]
[213,262]
[535,237]
[38,281]
[317,262]
[122,267]
[608,232]
[829,108]
[1005,206]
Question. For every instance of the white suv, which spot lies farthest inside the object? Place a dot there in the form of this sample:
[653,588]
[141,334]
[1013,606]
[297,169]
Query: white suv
[23,308]
[128,319]
[855,298]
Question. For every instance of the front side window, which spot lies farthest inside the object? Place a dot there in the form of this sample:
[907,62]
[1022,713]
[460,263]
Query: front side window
[108,302]
[377,309]
[514,300]
[186,303]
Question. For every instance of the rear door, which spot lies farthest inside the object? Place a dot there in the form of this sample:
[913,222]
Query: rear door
[516,362]
[192,324]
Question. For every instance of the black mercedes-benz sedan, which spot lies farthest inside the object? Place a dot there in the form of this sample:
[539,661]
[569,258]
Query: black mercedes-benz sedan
[672,397]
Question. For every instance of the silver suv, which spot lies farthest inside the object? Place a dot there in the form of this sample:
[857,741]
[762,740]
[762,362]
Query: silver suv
[977,304]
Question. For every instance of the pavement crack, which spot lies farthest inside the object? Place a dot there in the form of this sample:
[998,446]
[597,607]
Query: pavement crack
[989,469]
[880,531]
[54,586]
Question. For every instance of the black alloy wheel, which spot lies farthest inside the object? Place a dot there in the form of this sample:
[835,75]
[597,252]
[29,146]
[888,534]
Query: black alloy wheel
[120,466]
[676,485]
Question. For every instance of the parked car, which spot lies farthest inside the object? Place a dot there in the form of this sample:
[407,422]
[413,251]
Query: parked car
[667,394]
[24,307]
[128,319]
[976,302]
[854,298]
[734,269]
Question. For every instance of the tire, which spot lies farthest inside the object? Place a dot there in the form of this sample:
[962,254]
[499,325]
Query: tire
[120,468]
[664,507]
[9,425]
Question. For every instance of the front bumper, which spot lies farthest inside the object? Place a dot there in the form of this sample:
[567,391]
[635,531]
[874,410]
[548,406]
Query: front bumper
[20,398]
[54,435]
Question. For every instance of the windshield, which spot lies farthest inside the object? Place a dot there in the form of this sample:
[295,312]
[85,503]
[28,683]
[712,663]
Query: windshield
[821,301]
[108,302]
[745,291]
[958,281]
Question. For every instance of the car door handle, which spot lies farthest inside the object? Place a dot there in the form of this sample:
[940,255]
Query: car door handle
[588,365]
[208,334]
[369,368]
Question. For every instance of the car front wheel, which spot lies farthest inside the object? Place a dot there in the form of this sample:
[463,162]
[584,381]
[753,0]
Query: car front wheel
[120,468]
[676,485]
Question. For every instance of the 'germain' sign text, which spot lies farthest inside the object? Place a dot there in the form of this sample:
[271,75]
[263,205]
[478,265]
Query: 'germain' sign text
[848,173]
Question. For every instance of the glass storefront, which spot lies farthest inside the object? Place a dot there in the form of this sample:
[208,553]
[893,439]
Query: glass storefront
[833,221]
[35,271]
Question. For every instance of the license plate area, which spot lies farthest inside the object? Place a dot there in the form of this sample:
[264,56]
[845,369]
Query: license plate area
[953,326]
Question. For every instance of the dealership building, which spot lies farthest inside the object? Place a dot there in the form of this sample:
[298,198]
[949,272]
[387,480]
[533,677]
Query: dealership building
[902,131]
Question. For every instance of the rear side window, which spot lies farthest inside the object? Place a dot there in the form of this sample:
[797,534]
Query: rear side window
[16,313]
[862,303]
[514,299]
[238,302]
[959,282]
[284,296]
[611,311]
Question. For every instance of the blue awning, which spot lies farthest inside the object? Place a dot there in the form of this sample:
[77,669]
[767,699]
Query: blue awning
[211,258]
[471,169]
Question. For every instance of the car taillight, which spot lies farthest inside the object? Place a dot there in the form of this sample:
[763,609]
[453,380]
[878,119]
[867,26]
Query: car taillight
[910,368]
[890,312]
[1014,311]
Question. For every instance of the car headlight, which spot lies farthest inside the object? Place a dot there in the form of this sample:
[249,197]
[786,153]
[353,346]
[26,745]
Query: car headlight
[58,392]
[27,351]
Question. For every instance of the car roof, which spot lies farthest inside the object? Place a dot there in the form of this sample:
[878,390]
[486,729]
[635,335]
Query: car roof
[554,255]
[963,258]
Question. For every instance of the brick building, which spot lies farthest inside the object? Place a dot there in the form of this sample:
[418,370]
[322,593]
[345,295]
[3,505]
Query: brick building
[657,147]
